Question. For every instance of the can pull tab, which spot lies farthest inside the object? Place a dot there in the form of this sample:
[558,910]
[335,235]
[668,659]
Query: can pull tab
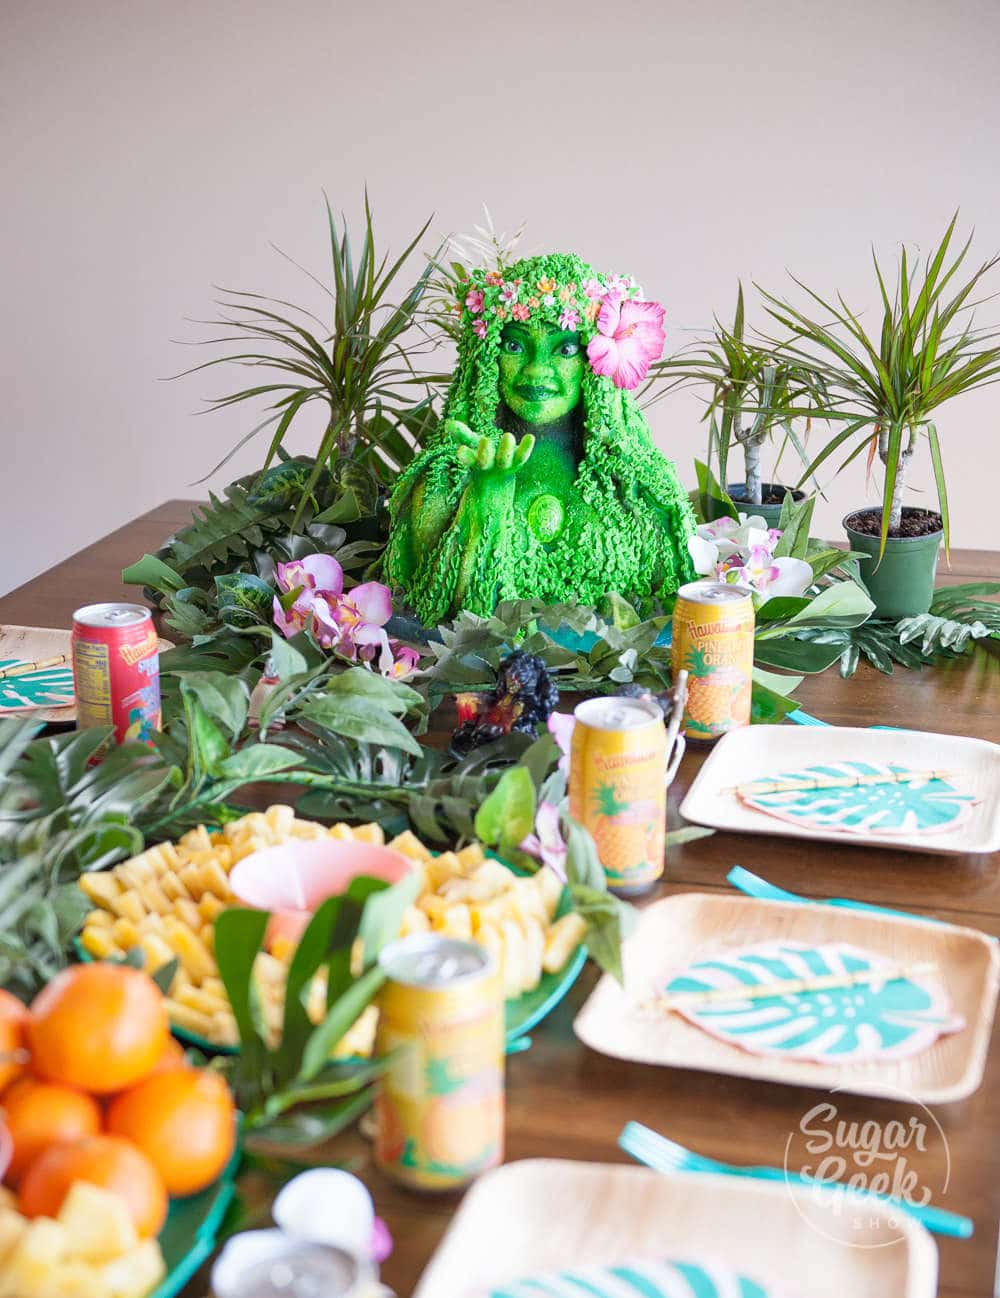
[675,740]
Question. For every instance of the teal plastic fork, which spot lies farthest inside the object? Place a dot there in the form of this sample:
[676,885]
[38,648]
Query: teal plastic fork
[663,1155]
[754,886]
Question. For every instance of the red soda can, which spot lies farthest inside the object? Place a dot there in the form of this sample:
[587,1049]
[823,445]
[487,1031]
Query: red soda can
[116,670]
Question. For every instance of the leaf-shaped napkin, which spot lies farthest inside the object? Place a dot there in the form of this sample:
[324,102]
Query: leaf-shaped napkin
[875,1020]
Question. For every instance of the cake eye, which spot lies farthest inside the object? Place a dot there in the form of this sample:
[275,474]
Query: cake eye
[569,349]
[512,345]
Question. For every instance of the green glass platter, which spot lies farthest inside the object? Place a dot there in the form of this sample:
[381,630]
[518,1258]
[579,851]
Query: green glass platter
[191,1230]
[522,1014]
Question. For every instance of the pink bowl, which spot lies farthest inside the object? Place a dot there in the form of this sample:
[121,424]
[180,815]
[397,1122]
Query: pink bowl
[293,879]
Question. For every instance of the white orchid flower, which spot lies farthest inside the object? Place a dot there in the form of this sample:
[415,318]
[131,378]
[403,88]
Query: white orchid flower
[741,552]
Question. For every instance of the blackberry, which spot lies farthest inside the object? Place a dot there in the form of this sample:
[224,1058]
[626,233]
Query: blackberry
[524,697]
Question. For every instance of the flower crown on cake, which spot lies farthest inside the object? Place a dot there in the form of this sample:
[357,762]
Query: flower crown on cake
[623,334]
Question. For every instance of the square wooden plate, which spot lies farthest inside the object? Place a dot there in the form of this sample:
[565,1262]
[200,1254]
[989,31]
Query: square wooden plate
[672,932]
[760,752]
[543,1215]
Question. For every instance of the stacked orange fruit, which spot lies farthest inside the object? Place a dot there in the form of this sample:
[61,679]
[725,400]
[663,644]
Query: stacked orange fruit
[94,1089]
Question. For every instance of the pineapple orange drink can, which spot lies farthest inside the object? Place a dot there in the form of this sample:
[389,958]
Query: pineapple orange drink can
[713,642]
[116,669]
[618,788]
[439,1107]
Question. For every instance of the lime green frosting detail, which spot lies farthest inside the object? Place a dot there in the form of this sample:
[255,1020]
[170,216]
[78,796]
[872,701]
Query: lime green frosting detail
[580,517]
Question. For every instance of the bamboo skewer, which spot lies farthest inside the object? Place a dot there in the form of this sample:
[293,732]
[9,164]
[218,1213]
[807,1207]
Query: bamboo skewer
[843,782]
[791,986]
[22,669]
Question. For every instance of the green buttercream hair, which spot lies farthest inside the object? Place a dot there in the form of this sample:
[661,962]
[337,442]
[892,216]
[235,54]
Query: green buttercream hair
[630,532]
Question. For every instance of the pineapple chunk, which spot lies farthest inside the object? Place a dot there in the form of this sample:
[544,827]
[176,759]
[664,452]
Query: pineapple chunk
[190,950]
[281,818]
[414,921]
[456,922]
[171,885]
[126,933]
[99,943]
[551,889]
[534,936]
[128,905]
[439,870]
[199,999]
[12,1227]
[409,845]
[210,906]
[134,1274]
[98,1224]
[100,919]
[40,1249]
[216,880]
[196,840]
[371,833]
[187,912]
[183,1016]
[471,856]
[100,886]
[517,972]
[156,951]
[561,941]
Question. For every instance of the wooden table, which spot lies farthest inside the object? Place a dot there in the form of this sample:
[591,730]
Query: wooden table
[566,1101]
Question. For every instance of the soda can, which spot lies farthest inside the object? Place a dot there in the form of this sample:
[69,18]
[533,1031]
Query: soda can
[618,788]
[270,1264]
[439,1107]
[713,641]
[116,670]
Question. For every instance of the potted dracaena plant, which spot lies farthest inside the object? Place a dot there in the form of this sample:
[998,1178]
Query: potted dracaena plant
[885,388]
[751,392]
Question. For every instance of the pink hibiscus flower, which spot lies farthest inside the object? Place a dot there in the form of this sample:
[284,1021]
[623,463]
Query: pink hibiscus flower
[593,288]
[630,337]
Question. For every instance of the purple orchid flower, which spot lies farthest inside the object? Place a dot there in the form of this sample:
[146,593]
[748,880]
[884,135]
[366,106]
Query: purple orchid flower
[546,844]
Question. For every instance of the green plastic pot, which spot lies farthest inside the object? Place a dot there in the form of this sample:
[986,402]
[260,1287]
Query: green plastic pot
[902,585]
[771,514]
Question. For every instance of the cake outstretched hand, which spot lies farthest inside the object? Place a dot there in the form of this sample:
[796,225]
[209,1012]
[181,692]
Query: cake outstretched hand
[493,463]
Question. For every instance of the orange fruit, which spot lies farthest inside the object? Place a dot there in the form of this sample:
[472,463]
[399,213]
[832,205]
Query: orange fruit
[13,1017]
[183,1120]
[108,1161]
[100,1027]
[39,1114]
[172,1057]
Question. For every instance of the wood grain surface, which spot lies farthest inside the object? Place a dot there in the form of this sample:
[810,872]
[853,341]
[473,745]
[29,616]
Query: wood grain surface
[566,1101]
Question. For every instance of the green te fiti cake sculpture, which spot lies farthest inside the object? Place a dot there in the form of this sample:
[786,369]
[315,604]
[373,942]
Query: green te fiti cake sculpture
[543,482]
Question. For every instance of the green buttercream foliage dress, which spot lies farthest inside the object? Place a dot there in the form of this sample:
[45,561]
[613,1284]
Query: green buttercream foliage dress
[592,507]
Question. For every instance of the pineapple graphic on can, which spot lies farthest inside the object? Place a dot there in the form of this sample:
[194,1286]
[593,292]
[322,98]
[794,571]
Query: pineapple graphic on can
[713,641]
[617,788]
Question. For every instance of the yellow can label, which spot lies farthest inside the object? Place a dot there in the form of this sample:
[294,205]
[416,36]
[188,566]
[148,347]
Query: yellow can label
[713,643]
[617,789]
[439,1107]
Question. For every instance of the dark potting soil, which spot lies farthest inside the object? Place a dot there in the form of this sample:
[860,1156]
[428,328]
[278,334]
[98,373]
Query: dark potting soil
[915,522]
[772,497]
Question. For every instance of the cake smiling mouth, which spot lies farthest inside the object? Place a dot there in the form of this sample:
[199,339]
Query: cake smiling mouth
[532,392]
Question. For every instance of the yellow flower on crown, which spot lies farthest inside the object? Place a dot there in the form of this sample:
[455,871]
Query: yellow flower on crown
[546,285]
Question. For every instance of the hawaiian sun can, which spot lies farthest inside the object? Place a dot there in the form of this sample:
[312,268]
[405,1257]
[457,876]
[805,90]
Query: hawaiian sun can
[713,641]
[618,787]
[439,1107]
[116,669]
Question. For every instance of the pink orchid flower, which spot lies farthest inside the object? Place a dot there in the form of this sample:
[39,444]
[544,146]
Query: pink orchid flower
[479,327]
[405,662]
[630,337]
[546,843]
[356,621]
[474,300]
[315,575]
[569,318]
[560,727]
[593,288]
